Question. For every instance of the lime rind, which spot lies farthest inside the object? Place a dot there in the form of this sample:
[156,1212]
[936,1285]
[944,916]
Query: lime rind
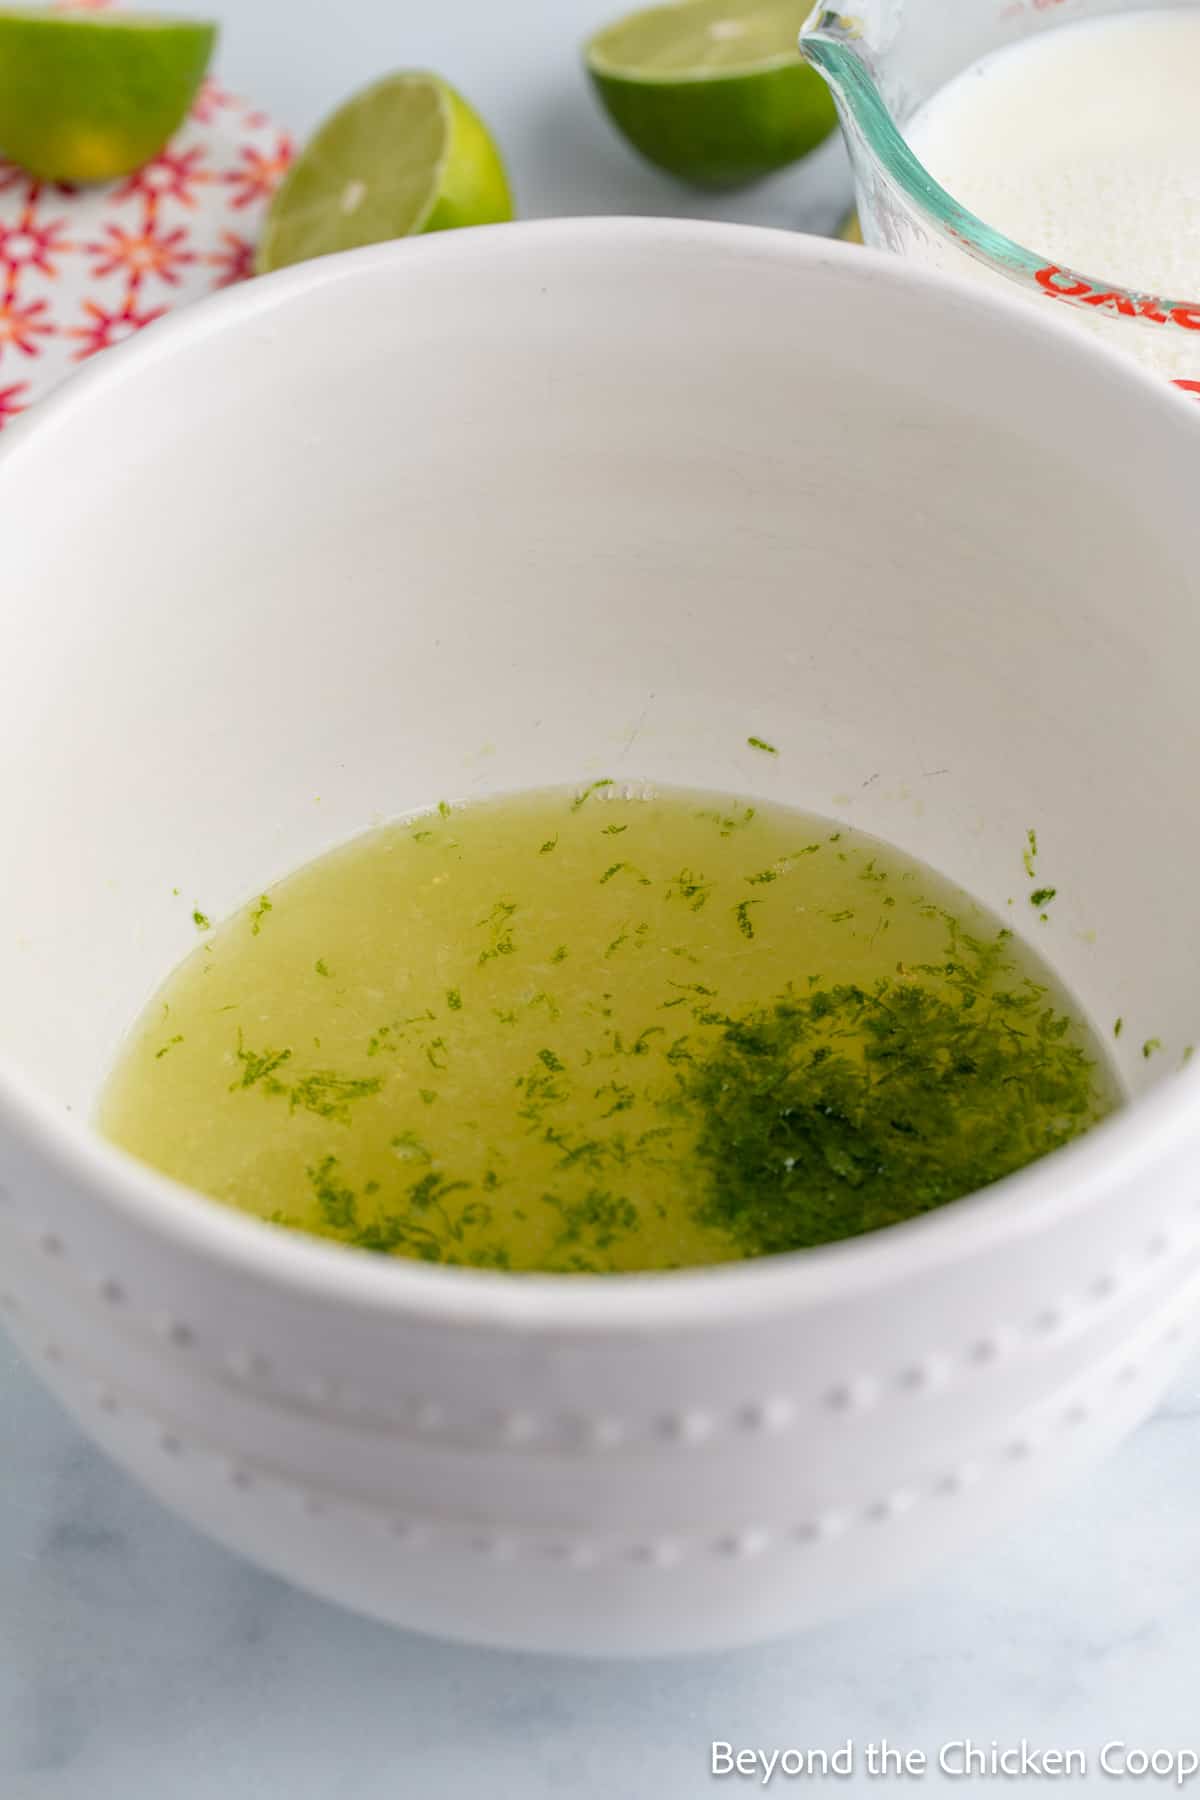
[689,77]
[90,97]
[403,157]
[472,167]
[713,91]
[110,21]
[304,204]
[599,64]
[698,40]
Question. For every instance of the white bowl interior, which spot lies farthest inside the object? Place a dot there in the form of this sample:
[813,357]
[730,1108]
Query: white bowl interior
[556,503]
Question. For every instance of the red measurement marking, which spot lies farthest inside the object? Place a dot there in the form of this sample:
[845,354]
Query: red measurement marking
[1060,285]
[1120,303]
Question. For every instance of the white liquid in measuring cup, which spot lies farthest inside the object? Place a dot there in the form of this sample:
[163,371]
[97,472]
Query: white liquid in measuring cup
[1083,144]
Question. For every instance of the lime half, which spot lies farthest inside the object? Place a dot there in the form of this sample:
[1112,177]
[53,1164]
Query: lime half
[715,91]
[88,97]
[405,156]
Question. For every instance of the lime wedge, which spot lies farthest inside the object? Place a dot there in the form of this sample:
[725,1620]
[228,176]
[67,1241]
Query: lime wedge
[88,97]
[405,156]
[715,91]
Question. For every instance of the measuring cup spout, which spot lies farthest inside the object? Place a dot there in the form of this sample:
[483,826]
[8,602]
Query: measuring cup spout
[851,52]
[836,45]
[882,63]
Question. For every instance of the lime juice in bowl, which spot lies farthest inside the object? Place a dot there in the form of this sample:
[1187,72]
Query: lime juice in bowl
[1052,147]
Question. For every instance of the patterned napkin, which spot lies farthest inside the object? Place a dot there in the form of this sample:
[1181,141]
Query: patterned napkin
[83,268]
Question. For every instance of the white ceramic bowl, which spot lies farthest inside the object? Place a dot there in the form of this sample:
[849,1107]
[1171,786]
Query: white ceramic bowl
[526,506]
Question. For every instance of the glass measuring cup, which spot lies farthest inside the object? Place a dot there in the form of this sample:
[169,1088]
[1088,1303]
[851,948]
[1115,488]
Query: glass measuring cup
[882,63]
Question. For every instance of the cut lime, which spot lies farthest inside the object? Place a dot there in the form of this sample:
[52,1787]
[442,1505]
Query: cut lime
[405,156]
[715,91]
[88,97]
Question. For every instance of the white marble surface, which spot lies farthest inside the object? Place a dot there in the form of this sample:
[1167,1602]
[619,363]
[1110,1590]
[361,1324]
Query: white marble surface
[138,1660]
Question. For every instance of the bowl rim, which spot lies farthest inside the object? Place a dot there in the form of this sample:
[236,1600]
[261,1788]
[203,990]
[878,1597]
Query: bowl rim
[1147,1131]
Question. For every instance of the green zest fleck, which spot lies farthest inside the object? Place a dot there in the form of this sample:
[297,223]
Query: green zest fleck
[339,1209]
[201,921]
[1118,1027]
[169,1045]
[805,1141]
[258,1065]
[728,823]
[594,1222]
[443,807]
[322,1092]
[757,743]
[691,888]
[497,924]
[1150,1046]
[259,914]
[454,999]
[408,1145]
[320,967]
[742,913]
[329,1096]
[560,955]
[1029,854]
[1042,896]
[549,845]
[594,788]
